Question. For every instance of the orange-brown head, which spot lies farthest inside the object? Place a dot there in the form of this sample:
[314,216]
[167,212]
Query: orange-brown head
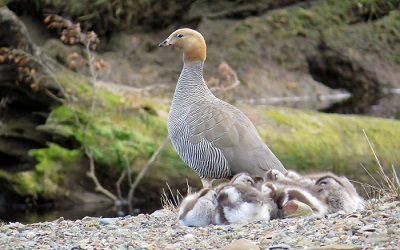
[190,42]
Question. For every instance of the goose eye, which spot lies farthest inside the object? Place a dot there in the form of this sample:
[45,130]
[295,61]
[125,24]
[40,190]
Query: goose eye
[179,35]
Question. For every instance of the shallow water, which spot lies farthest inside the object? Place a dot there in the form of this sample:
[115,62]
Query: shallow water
[386,105]
[68,212]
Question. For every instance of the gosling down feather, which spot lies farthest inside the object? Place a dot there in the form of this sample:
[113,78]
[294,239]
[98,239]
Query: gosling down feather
[213,137]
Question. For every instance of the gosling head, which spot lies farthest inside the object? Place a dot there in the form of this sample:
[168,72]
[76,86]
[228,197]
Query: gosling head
[190,42]
[243,179]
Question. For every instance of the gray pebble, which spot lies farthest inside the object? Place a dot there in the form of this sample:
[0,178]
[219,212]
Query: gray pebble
[107,221]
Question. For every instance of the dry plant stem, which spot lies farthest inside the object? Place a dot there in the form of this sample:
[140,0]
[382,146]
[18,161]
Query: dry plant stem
[91,174]
[396,178]
[391,185]
[39,60]
[128,169]
[118,185]
[235,83]
[144,170]
[92,171]
[171,204]
[376,157]
[370,175]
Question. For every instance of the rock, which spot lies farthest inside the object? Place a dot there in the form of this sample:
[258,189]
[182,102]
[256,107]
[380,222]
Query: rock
[23,108]
[305,243]
[280,247]
[240,245]
[82,243]
[367,228]
[338,70]
[107,221]
[296,208]
[375,238]
[159,213]
[30,235]
[337,247]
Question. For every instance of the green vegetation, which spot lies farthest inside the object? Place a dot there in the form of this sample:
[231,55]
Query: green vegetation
[328,14]
[120,132]
[286,36]
[309,141]
[47,179]
[123,133]
[319,16]
[104,15]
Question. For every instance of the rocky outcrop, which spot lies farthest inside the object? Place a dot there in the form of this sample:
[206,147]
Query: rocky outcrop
[340,71]
[23,106]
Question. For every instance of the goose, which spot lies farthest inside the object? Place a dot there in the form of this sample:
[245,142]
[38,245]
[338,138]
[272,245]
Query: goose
[339,194]
[213,137]
[238,203]
[247,180]
[198,209]
[283,192]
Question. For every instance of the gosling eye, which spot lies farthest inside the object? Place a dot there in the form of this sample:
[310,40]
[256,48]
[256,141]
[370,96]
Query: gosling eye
[322,183]
[180,35]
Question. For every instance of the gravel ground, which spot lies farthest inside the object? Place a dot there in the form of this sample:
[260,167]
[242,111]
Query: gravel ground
[378,227]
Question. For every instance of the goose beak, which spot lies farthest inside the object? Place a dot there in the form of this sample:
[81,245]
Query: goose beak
[164,43]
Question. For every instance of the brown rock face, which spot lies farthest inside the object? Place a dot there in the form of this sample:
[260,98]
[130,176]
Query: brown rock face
[23,106]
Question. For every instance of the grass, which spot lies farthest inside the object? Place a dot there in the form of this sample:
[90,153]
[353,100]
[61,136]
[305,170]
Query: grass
[387,187]
[312,141]
[171,201]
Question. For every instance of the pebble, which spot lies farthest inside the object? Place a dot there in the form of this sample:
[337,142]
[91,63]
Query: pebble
[376,228]
[240,245]
[107,221]
[30,235]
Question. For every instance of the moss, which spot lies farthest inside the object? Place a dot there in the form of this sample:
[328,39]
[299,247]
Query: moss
[120,130]
[120,127]
[379,39]
[329,14]
[24,182]
[49,173]
[46,180]
[287,36]
[3,3]
[307,140]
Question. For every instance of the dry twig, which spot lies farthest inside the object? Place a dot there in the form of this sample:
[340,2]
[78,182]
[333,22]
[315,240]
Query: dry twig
[390,188]
[144,170]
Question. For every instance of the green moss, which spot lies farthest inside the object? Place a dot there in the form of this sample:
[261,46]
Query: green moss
[24,182]
[120,132]
[308,140]
[46,180]
[3,3]
[49,173]
[328,14]
[286,36]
